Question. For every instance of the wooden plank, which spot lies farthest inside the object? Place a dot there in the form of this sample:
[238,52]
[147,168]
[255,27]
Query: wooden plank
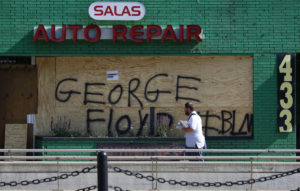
[220,83]
[18,95]
[225,80]
[219,122]
[46,89]
[16,137]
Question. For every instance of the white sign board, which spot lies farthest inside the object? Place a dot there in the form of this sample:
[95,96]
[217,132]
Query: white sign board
[118,11]
[112,75]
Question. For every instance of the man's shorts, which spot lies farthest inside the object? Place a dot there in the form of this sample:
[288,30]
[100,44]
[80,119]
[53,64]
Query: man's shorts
[194,153]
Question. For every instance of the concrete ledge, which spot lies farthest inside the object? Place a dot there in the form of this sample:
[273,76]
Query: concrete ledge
[178,170]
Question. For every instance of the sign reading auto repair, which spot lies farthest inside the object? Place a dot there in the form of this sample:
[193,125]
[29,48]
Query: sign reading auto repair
[121,11]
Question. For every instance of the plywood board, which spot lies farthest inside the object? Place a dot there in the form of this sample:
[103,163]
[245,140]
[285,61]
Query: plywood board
[16,137]
[18,95]
[220,87]
[46,89]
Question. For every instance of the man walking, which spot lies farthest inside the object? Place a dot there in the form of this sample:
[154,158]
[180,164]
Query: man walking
[194,138]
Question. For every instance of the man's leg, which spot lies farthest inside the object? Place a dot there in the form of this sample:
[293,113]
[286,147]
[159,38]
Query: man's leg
[201,153]
[191,153]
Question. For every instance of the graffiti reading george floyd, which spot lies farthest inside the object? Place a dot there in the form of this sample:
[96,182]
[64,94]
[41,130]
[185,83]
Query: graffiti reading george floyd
[148,97]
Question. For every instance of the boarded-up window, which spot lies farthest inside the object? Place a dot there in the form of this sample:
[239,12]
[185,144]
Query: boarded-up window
[146,90]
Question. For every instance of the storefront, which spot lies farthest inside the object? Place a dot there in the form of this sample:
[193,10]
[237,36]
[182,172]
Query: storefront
[117,74]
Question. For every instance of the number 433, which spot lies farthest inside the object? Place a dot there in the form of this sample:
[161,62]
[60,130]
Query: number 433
[286,103]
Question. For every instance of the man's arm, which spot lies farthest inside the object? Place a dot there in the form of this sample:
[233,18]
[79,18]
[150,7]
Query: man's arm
[192,126]
[187,130]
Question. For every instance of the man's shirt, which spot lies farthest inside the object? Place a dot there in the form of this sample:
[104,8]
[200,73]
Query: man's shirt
[195,138]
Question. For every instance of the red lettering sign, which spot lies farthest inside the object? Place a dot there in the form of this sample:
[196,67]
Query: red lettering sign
[122,34]
[108,11]
[98,33]
[98,10]
[41,34]
[150,34]
[75,29]
[169,34]
[136,33]
[63,34]
[136,10]
[126,11]
[195,33]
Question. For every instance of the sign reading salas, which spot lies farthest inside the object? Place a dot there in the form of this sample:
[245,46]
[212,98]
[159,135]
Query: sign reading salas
[120,11]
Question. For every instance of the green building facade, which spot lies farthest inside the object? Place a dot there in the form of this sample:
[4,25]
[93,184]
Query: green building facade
[260,29]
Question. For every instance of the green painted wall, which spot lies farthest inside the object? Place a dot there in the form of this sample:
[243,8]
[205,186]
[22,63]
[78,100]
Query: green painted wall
[232,27]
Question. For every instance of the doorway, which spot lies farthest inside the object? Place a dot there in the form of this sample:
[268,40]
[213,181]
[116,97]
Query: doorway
[18,91]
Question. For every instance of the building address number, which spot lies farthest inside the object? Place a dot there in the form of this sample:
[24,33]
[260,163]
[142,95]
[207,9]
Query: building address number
[285,63]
